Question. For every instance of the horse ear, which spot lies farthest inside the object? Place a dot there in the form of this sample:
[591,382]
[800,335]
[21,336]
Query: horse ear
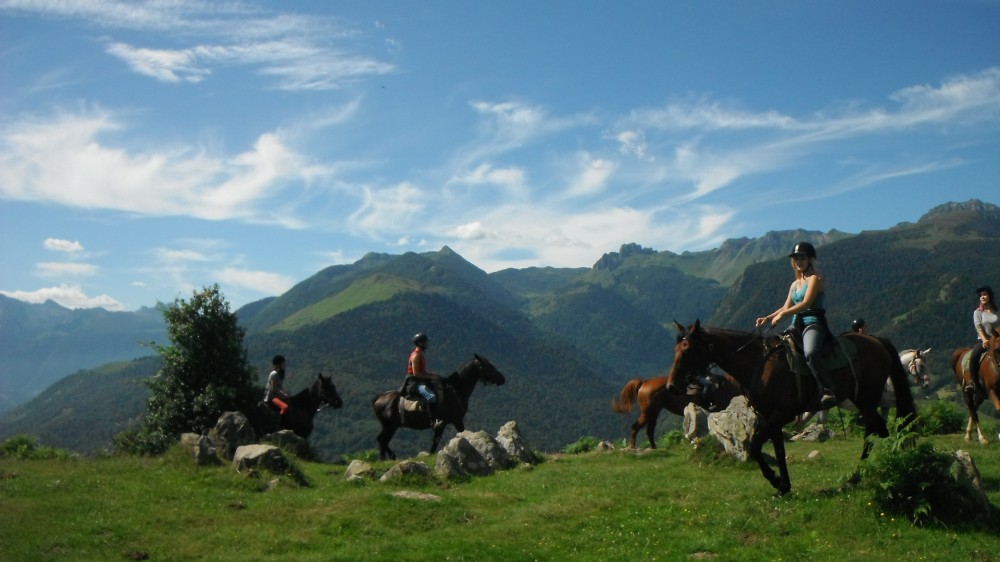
[680,328]
[697,325]
[926,351]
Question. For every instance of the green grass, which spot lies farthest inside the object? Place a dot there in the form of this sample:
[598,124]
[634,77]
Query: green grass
[374,289]
[669,504]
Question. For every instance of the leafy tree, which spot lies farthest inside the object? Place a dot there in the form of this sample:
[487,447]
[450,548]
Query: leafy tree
[205,373]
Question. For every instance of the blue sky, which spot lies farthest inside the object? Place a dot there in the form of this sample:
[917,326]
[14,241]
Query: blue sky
[149,149]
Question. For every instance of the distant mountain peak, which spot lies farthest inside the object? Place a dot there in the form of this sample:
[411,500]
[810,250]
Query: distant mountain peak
[974,206]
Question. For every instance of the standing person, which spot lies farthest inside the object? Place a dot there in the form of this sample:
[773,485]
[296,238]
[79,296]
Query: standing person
[986,322]
[428,384]
[275,393]
[858,326]
[805,304]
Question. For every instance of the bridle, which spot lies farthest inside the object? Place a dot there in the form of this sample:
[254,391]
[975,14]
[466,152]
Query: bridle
[916,369]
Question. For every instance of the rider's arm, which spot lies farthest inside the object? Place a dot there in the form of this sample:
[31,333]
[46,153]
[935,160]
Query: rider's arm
[777,314]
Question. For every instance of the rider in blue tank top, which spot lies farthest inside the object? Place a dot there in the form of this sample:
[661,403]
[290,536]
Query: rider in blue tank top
[805,298]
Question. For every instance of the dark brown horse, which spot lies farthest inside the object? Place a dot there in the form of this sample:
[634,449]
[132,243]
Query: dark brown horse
[987,385]
[778,394]
[391,412]
[651,395]
[302,407]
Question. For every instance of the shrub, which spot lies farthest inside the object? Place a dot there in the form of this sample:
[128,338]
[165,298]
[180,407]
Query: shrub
[582,445]
[910,479]
[939,417]
[26,447]
[672,438]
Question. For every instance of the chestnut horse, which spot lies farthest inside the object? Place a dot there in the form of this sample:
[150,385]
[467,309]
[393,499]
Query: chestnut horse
[391,414]
[651,395]
[987,385]
[778,394]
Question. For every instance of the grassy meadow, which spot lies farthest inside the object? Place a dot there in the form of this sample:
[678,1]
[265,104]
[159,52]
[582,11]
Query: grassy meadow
[670,504]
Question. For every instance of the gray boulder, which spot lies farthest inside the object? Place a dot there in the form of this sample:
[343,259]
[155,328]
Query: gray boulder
[254,458]
[509,437]
[460,459]
[406,469]
[232,431]
[200,447]
[734,427]
[286,439]
[814,432]
[695,422]
[495,455]
[359,470]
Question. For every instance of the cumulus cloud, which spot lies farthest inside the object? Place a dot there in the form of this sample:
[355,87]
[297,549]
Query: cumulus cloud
[70,296]
[67,246]
[94,173]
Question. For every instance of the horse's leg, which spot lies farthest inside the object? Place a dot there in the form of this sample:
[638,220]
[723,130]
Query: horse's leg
[651,428]
[784,481]
[874,424]
[756,452]
[383,439]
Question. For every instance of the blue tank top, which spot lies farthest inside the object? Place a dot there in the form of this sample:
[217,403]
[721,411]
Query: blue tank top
[798,295]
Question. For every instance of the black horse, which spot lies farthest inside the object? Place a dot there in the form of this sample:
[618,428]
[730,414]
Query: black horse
[391,412]
[302,407]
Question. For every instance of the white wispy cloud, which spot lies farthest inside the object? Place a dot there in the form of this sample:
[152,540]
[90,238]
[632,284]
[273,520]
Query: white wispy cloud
[63,269]
[263,282]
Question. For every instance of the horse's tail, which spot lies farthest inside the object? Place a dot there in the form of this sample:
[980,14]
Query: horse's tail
[623,404]
[906,408]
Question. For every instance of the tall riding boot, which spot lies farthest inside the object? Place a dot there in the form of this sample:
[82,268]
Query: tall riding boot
[828,392]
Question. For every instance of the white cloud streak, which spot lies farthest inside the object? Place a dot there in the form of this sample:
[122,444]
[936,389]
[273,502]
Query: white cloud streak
[70,296]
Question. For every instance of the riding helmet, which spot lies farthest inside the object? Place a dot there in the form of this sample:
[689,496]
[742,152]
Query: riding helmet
[803,249]
[277,360]
[419,338]
[858,324]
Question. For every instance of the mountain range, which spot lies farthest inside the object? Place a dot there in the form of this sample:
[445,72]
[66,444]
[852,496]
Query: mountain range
[566,338]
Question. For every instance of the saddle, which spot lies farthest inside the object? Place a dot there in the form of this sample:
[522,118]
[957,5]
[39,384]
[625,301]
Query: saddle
[837,353]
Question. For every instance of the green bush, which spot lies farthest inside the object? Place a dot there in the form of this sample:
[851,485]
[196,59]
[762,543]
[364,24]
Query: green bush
[26,447]
[911,479]
[672,438]
[940,417]
[582,445]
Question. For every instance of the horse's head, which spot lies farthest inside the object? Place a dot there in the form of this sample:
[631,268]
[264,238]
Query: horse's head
[327,391]
[916,366]
[691,357]
[486,373]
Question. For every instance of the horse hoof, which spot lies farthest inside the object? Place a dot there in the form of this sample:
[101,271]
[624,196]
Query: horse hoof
[781,493]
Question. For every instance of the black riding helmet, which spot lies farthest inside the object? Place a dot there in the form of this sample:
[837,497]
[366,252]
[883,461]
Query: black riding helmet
[803,249]
[858,324]
[419,338]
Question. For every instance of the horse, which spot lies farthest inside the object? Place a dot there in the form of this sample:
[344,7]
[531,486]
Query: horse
[778,394]
[651,395]
[913,362]
[302,407]
[391,412]
[988,384]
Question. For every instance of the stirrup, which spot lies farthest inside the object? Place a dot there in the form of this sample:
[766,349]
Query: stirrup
[827,400]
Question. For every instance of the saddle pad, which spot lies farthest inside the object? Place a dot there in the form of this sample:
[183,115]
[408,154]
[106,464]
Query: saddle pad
[838,356]
[967,361]
[411,405]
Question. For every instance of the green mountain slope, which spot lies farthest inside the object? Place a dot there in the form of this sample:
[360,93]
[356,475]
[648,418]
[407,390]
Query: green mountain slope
[42,343]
